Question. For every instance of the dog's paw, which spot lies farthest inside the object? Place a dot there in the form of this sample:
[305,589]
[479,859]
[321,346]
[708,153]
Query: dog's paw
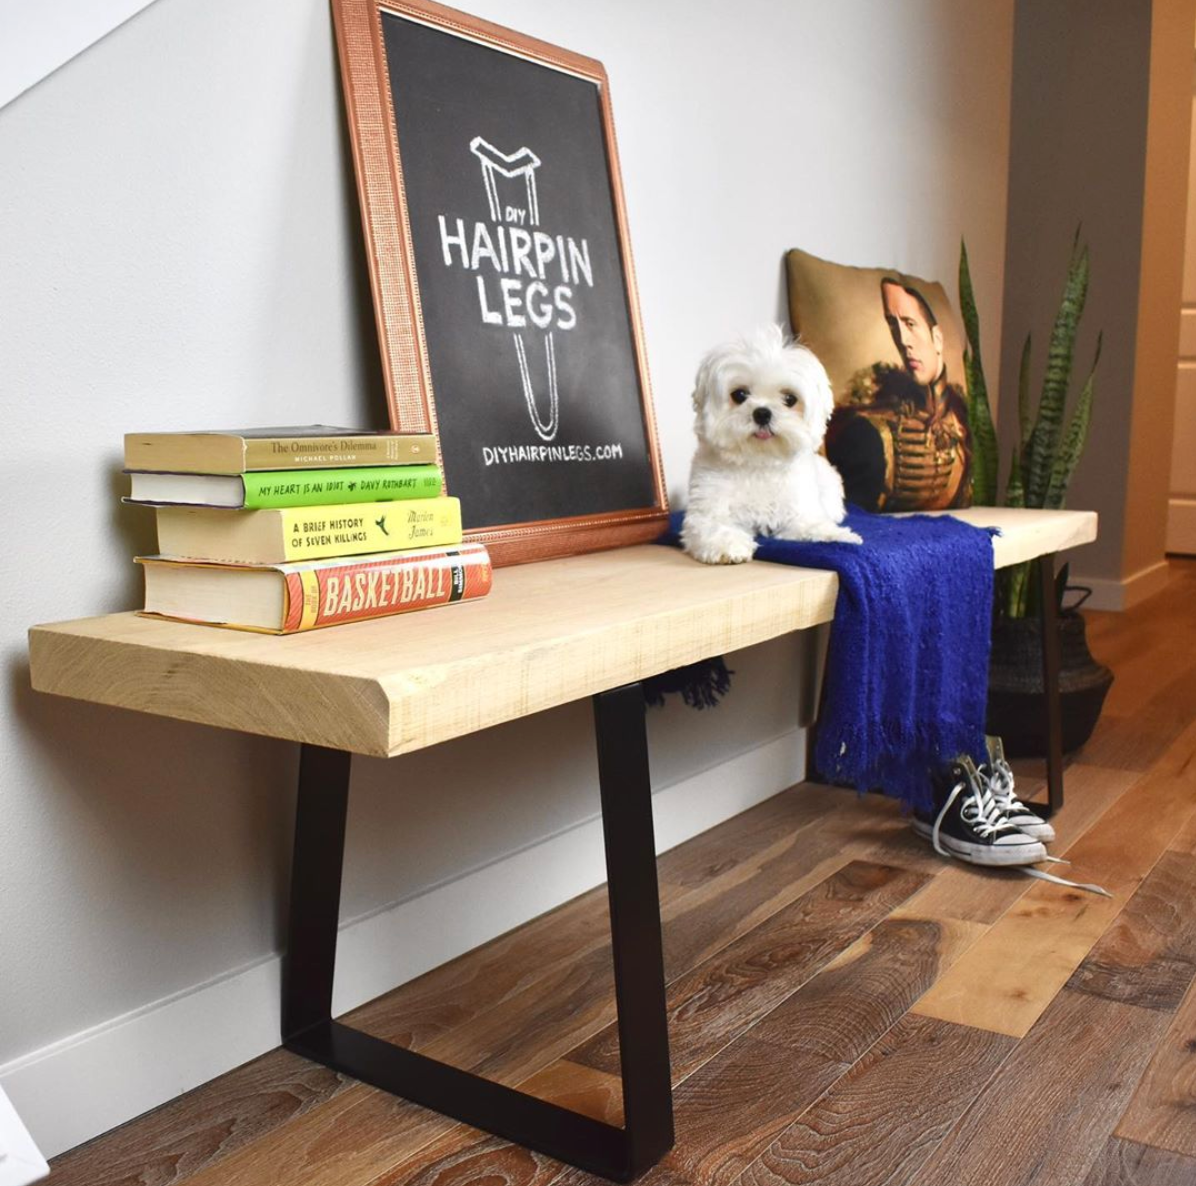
[721,547]
[820,533]
[736,552]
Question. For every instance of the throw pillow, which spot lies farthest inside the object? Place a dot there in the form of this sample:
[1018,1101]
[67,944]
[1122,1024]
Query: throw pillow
[894,352]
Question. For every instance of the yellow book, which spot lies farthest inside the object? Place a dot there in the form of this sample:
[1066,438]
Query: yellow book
[306,533]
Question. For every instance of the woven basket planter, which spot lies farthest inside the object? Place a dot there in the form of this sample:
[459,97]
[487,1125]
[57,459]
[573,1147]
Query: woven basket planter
[1016,701]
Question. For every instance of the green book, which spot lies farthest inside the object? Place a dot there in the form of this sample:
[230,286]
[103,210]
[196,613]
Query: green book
[265,490]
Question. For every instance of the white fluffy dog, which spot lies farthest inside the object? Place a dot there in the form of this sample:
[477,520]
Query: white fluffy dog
[762,406]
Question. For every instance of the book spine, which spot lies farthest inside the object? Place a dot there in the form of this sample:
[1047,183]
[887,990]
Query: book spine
[304,488]
[376,589]
[313,533]
[274,453]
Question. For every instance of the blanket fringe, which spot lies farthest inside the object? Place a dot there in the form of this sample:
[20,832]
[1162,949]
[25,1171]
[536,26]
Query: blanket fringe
[700,685]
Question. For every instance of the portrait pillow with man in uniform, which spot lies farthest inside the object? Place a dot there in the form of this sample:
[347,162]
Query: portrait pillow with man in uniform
[894,352]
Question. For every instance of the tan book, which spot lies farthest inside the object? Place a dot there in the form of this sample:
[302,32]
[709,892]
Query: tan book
[245,450]
[284,598]
[306,533]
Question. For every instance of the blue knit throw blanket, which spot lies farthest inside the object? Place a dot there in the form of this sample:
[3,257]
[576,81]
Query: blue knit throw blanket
[906,680]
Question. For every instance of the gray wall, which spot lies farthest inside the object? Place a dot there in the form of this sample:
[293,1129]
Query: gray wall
[181,249]
[1101,102]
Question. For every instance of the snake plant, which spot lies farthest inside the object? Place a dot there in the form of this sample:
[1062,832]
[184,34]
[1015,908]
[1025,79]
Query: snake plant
[1046,454]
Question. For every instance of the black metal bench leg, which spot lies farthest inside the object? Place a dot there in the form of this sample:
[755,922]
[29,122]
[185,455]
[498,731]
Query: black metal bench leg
[315,888]
[635,924]
[1049,621]
[620,1154]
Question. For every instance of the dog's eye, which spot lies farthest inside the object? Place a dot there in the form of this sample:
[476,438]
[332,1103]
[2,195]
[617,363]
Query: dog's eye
[739,395]
[790,399]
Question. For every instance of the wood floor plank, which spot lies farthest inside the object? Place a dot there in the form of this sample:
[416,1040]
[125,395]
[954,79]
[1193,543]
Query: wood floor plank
[1010,976]
[182,1138]
[1046,1114]
[728,993]
[1136,740]
[1162,1111]
[349,1140]
[743,838]
[877,1126]
[719,912]
[1185,840]
[1148,956]
[1125,1163]
[1149,645]
[731,1109]
[477,1159]
[466,1155]
[869,987]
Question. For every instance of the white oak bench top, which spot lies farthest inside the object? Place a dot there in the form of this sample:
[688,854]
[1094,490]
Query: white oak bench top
[549,633]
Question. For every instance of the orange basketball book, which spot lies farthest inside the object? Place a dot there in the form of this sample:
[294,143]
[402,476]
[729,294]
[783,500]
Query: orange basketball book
[308,595]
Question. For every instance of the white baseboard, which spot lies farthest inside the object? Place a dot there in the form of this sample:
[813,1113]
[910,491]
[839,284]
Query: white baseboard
[1112,594]
[1181,526]
[94,1080]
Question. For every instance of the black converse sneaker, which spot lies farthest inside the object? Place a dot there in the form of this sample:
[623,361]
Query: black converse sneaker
[969,824]
[999,776]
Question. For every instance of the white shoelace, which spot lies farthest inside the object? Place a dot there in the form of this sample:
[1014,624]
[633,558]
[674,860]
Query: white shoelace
[1000,779]
[1043,875]
[979,809]
[986,813]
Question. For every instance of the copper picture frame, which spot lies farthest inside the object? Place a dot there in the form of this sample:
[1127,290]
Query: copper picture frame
[516,339]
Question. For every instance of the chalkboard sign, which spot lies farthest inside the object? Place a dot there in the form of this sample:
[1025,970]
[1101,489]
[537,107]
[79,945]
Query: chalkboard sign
[502,278]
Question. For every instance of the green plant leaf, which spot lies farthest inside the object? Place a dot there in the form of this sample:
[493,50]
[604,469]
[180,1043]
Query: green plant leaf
[1074,439]
[1044,439]
[1023,399]
[984,435]
[1019,581]
[980,420]
[967,301]
[1015,492]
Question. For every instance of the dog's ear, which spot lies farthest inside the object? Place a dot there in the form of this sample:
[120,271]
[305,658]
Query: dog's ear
[825,397]
[816,385]
[702,380]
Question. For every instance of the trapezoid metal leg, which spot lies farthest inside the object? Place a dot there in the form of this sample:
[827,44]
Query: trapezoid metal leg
[626,789]
[620,1154]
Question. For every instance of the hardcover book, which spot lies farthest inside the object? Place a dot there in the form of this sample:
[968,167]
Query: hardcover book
[286,488]
[307,533]
[243,450]
[287,598]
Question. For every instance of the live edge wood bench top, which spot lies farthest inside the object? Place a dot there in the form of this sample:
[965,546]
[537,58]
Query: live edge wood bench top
[549,633]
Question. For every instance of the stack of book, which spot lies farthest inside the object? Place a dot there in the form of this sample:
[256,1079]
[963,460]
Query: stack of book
[288,529]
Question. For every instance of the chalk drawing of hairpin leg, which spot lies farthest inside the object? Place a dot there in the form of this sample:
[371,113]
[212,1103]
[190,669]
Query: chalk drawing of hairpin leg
[546,432]
[522,163]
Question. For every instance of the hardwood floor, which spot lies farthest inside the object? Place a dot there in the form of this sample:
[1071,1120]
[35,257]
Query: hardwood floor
[844,1007]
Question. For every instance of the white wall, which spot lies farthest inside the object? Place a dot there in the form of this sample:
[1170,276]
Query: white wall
[38,38]
[181,249]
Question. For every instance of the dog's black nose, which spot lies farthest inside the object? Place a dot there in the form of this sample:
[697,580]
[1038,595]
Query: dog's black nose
[762,416]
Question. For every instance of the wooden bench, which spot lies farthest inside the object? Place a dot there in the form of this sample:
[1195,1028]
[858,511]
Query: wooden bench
[549,633]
